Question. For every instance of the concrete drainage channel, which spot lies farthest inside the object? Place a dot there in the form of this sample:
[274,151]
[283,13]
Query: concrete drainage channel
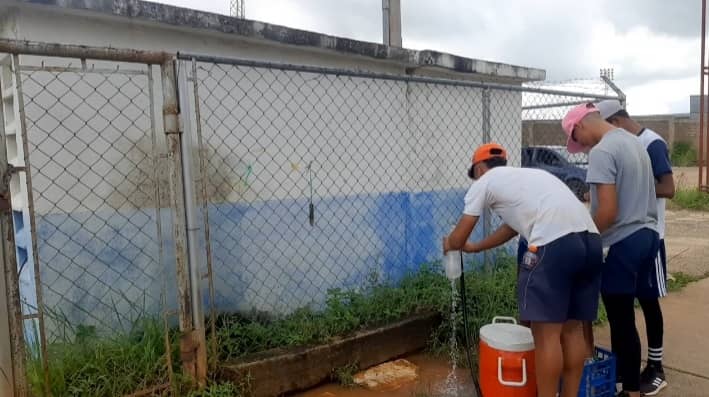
[281,372]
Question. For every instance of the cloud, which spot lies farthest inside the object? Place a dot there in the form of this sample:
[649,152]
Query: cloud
[647,42]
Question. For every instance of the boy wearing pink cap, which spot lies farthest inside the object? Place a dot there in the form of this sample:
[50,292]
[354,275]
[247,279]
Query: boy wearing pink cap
[624,209]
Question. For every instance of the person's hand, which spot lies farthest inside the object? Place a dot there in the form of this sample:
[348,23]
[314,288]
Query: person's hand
[587,197]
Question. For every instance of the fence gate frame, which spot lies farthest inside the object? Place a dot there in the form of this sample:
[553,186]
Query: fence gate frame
[192,343]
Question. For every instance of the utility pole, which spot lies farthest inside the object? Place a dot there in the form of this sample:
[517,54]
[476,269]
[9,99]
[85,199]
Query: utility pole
[391,15]
[236,9]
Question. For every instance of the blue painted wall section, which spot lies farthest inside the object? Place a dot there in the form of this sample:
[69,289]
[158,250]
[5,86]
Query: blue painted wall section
[266,255]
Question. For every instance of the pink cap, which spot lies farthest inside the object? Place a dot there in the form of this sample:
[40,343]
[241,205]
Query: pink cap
[571,120]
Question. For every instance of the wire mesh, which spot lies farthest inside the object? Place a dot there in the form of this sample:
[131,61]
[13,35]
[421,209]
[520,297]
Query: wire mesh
[318,181]
[89,137]
[92,192]
[310,181]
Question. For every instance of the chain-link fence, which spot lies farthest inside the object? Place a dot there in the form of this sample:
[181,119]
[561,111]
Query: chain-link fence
[318,179]
[90,229]
[305,180]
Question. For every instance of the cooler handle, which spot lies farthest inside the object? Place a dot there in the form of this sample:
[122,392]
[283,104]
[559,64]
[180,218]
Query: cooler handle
[503,382]
[503,319]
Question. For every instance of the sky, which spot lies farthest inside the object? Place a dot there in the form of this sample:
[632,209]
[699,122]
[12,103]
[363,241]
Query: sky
[652,45]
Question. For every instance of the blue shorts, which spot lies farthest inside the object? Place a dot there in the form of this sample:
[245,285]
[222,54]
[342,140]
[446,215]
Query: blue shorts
[630,267]
[565,281]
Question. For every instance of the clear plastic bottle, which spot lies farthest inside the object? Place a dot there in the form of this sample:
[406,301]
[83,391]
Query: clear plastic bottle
[452,263]
[453,269]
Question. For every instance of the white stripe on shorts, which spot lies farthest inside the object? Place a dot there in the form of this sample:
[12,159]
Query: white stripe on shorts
[660,273]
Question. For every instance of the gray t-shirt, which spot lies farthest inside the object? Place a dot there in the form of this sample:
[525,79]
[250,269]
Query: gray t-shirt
[620,159]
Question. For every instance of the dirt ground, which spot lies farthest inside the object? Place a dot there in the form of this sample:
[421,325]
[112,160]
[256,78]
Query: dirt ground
[686,177]
[687,234]
[687,242]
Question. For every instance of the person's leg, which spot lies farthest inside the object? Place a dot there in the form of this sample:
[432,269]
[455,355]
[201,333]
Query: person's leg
[654,324]
[625,340]
[575,354]
[652,378]
[588,338]
[548,357]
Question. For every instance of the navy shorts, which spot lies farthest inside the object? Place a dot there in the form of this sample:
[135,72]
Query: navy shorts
[565,281]
[630,267]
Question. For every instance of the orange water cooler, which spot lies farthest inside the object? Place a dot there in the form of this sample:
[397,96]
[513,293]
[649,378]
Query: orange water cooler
[507,359]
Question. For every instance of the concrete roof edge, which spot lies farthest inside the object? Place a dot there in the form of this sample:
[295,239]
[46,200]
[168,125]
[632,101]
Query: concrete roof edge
[185,17]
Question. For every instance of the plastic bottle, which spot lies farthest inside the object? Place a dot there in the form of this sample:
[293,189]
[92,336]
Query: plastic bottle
[452,264]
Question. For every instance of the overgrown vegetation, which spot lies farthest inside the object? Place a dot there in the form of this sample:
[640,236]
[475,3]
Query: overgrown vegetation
[691,200]
[94,365]
[683,154]
[490,293]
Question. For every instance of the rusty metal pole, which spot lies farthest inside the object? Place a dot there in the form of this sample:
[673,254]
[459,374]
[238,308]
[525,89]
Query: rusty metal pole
[16,373]
[189,344]
[193,229]
[702,104]
[33,228]
[205,216]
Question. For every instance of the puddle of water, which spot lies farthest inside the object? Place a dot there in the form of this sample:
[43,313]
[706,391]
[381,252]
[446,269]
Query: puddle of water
[437,376]
[433,375]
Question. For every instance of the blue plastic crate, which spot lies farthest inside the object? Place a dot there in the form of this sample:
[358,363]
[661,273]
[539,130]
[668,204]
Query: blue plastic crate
[598,378]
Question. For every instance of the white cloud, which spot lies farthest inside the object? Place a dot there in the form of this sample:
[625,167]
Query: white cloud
[653,45]
[661,96]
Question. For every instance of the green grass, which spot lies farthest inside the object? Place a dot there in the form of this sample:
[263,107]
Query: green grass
[91,365]
[345,375]
[683,154]
[346,311]
[225,389]
[681,280]
[691,200]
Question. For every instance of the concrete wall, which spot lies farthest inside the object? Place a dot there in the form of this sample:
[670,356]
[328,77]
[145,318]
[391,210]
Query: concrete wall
[387,161]
[672,128]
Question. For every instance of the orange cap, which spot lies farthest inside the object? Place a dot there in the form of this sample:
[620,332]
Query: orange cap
[488,151]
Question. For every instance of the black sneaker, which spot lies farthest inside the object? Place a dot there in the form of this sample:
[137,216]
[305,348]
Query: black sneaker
[652,381]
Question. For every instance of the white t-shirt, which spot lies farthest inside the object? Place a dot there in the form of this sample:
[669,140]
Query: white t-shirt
[535,203]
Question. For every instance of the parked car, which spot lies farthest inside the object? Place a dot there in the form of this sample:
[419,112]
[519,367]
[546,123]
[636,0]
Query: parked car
[554,162]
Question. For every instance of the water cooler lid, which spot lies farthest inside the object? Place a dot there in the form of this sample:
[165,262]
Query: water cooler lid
[507,337]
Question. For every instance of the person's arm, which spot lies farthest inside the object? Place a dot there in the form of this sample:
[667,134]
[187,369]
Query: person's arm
[475,203]
[607,210]
[665,187]
[500,236]
[602,173]
[661,169]
[459,236]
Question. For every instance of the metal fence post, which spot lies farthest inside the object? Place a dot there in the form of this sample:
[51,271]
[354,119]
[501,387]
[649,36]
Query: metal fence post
[33,230]
[14,374]
[189,341]
[487,221]
[193,229]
